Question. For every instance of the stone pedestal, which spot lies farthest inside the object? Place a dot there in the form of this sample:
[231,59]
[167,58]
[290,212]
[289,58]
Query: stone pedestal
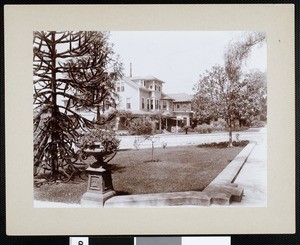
[99,187]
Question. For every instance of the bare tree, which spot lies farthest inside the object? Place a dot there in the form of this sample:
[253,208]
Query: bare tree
[72,71]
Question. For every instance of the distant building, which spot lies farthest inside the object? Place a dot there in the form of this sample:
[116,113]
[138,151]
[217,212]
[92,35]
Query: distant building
[144,97]
[141,97]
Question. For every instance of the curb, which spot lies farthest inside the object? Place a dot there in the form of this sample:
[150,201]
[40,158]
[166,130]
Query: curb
[222,189]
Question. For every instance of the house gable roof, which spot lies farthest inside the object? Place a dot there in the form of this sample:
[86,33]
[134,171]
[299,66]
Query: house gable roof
[166,97]
[180,97]
[131,83]
[149,77]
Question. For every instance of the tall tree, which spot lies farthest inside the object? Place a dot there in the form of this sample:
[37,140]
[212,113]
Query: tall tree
[226,92]
[72,71]
[256,93]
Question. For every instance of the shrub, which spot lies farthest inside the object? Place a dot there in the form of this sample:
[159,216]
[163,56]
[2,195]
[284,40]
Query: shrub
[219,126]
[238,128]
[241,143]
[203,128]
[191,129]
[138,126]
[257,124]
[181,130]
[174,130]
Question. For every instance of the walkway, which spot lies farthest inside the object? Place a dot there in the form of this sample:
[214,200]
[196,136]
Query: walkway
[253,176]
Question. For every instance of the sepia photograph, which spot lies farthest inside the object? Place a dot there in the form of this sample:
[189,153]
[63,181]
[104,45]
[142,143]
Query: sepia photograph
[149,119]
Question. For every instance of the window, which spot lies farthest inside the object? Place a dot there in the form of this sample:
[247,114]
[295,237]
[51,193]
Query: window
[185,121]
[128,103]
[143,103]
[155,87]
[177,106]
[164,104]
[156,104]
[118,87]
[148,104]
[122,87]
[159,88]
[151,104]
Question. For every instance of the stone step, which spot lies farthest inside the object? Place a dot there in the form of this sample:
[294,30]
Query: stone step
[224,195]
[160,199]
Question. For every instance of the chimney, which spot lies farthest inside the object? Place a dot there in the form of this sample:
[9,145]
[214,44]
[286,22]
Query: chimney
[130,69]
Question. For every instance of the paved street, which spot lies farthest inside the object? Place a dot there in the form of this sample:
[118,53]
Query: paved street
[128,142]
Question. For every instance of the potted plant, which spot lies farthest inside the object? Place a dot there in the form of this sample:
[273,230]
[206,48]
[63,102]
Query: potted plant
[99,143]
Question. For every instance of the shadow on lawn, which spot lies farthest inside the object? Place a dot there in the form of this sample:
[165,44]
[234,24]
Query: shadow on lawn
[117,168]
[122,193]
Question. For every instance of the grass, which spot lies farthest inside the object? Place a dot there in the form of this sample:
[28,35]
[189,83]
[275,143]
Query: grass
[184,168]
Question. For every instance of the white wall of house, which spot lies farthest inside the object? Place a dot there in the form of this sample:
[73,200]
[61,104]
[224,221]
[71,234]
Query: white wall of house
[182,106]
[129,95]
[146,95]
[141,94]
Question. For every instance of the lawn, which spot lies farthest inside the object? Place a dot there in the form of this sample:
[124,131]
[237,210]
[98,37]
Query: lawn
[184,168]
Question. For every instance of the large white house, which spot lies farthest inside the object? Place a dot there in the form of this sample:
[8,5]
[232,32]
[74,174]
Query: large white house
[144,96]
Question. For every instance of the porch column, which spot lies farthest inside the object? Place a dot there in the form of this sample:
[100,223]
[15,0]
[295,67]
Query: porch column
[117,123]
[153,103]
[160,123]
[188,121]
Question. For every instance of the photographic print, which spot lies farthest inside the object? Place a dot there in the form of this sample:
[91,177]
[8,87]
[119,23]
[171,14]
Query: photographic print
[150,118]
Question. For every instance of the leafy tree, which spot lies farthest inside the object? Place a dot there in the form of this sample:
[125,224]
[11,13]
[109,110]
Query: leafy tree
[225,92]
[255,93]
[72,72]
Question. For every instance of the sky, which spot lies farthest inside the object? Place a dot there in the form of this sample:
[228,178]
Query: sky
[178,57]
